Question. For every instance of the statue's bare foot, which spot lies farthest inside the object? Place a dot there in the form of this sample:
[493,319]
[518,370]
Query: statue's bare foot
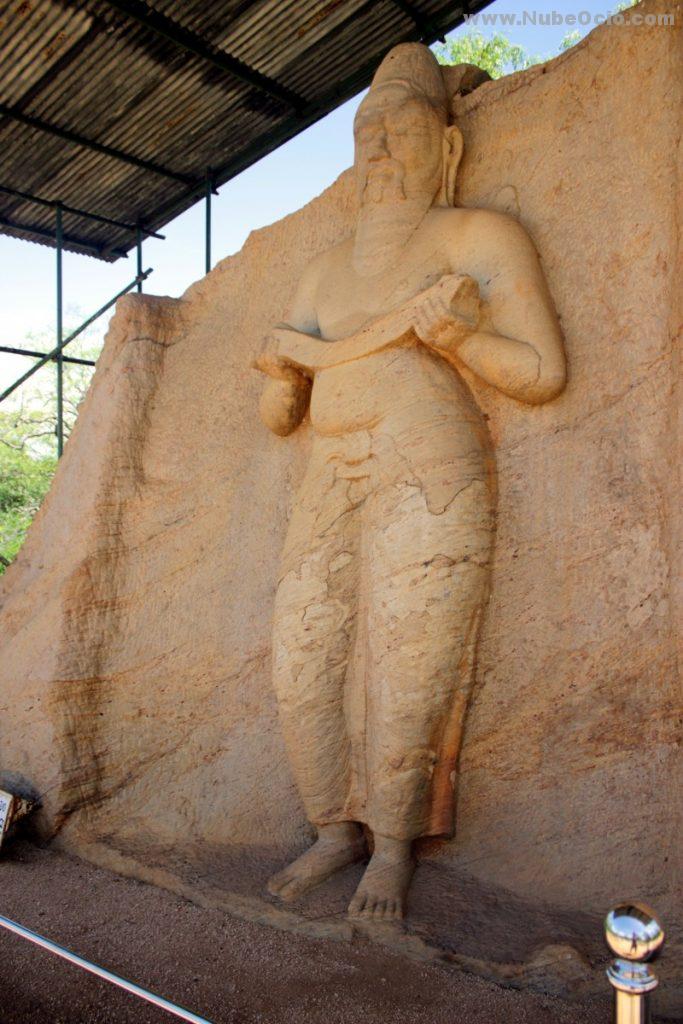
[382,892]
[337,845]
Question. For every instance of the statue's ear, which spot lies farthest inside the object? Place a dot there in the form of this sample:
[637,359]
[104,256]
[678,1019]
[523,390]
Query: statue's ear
[452,152]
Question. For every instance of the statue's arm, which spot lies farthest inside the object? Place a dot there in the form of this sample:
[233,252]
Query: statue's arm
[518,346]
[286,395]
[310,355]
[296,350]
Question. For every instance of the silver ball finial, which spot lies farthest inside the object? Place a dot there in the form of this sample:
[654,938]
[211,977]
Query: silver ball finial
[634,935]
[633,931]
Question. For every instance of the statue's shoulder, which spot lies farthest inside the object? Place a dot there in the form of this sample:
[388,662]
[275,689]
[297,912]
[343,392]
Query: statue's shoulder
[479,219]
[320,264]
[490,234]
[319,268]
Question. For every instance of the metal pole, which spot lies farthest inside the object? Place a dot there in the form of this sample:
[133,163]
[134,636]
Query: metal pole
[60,363]
[53,354]
[40,355]
[138,245]
[207,193]
[101,972]
[635,936]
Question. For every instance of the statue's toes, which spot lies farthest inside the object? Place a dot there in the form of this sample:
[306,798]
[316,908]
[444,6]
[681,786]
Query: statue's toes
[394,910]
[278,883]
[357,904]
[292,889]
[371,908]
[379,910]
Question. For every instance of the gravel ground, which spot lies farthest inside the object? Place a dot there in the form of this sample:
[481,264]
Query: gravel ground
[221,967]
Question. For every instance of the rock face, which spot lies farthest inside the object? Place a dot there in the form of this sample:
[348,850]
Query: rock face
[135,673]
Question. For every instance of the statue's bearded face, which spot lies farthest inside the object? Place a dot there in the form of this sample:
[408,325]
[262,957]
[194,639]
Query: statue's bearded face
[399,169]
[398,143]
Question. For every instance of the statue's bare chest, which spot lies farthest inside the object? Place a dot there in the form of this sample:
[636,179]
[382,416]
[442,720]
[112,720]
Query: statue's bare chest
[346,300]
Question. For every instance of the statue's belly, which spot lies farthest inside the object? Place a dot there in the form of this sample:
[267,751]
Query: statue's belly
[407,395]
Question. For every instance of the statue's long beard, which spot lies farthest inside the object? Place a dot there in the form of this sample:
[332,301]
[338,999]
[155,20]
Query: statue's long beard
[386,222]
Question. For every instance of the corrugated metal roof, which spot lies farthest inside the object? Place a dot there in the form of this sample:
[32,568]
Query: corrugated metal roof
[120,108]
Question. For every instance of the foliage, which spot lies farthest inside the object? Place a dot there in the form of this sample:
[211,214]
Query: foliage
[28,445]
[495,54]
[24,479]
[571,39]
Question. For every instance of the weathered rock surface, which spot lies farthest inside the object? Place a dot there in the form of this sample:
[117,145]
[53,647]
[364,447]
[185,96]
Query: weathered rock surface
[135,673]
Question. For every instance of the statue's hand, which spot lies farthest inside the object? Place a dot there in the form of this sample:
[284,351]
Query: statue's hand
[444,323]
[285,398]
[284,403]
[270,361]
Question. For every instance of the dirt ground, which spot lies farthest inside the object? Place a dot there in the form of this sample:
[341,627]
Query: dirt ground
[220,967]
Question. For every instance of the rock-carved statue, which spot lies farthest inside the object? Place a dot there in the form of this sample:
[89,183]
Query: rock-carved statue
[386,565]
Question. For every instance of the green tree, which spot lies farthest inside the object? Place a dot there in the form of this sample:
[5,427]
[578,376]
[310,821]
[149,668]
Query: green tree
[28,444]
[495,54]
[24,477]
[571,39]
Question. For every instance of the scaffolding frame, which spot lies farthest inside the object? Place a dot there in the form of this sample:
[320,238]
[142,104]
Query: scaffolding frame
[56,355]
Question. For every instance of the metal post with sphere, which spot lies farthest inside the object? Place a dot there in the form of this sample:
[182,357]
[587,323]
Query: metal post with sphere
[635,936]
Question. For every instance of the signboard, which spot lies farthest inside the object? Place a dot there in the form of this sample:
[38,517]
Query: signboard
[6,803]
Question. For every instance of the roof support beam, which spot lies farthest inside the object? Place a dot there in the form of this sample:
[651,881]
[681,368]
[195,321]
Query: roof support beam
[71,241]
[53,204]
[187,40]
[79,140]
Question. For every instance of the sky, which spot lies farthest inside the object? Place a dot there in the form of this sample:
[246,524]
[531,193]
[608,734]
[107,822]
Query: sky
[275,186]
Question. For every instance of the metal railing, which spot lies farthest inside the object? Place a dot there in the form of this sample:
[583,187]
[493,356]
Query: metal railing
[14,807]
[101,972]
